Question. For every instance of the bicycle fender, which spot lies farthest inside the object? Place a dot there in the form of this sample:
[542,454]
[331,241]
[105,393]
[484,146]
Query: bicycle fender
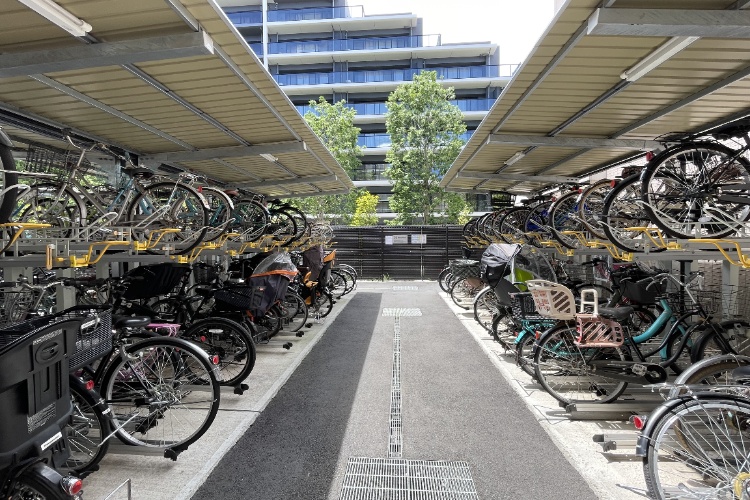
[4,139]
[647,434]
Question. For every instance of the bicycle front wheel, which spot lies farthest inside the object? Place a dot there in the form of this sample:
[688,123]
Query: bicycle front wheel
[564,370]
[695,190]
[700,449]
[162,392]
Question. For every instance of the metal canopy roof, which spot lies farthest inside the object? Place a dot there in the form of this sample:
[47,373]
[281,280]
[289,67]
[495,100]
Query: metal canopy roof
[605,79]
[169,80]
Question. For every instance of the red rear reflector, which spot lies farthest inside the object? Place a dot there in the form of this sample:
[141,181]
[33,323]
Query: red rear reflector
[215,359]
[638,421]
[612,184]
[71,485]
[89,385]
[203,338]
[200,189]
[650,156]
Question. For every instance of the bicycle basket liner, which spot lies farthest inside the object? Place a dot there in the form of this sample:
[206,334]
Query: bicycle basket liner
[34,391]
[464,268]
[523,306]
[157,279]
[94,339]
[644,291]
[330,257]
[595,331]
[552,300]
[46,160]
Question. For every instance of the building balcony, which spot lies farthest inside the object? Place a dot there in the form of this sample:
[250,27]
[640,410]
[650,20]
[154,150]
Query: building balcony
[362,44]
[383,141]
[374,112]
[385,80]
[255,17]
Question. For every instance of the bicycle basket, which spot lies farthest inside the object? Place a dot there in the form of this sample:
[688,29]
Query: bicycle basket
[14,304]
[643,291]
[464,268]
[204,275]
[94,339]
[45,160]
[523,307]
[595,331]
[157,279]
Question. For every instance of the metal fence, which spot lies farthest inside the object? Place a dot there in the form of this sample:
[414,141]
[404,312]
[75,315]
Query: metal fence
[404,252]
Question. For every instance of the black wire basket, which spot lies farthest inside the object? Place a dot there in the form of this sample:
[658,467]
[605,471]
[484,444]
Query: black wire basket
[464,268]
[524,308]
[56,162]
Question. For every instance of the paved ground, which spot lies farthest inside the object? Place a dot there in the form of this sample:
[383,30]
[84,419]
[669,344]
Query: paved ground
[336,405]
[310,409]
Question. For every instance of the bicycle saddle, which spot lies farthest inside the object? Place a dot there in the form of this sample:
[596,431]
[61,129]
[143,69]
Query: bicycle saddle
[735,129]
[143,173]
[615,313]
[130,321]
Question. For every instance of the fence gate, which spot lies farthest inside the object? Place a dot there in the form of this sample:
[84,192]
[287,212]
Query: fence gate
[398,252]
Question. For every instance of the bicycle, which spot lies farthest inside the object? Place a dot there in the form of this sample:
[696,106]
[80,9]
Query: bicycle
[697,445]
[8,177]
[699,188]
[75,209]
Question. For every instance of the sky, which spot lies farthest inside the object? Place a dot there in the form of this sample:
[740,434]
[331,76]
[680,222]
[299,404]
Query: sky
[515,25]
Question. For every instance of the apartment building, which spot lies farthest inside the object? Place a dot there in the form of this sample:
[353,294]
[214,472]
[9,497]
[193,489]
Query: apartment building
[332,49]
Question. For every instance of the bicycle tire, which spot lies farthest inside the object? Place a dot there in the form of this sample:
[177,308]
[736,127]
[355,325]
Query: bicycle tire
[677,203]
[463,293]
[220,207]
[444,278]
[714,371]
[486,307]
[351,281]
[45,203]
[38,482]
[623,209]
[560,367]
[8,177]
[694,449]
[250,219]
[122,383]
[538,222]
[512,225]
[563,217]
[193,224]
[338,284]
[707,345]
[525,352]
[87,430]
[295,312]
[282,226]
[590,207]
[322,304]
[228,341]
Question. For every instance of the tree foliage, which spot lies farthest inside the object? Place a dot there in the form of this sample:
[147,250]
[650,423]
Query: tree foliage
[365,214]
[334,125]
[425,130]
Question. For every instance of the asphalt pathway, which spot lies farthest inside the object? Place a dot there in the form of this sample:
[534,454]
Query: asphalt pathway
[455,407]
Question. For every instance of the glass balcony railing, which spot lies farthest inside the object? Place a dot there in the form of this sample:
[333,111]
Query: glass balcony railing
[286,15]
[379,108]
[395,75]
[307,46]
[370,172]
[384,140]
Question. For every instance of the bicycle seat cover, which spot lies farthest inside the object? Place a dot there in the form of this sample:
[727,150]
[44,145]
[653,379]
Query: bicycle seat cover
[143,173]
[615,313]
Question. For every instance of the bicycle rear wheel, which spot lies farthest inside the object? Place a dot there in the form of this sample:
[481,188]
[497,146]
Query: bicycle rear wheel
[294,312]
[563,369]
[162,392]
[229,342]
[86,431]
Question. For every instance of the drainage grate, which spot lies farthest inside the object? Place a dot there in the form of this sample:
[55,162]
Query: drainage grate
[397,479]
[402,311]
[395,441]
[406,288]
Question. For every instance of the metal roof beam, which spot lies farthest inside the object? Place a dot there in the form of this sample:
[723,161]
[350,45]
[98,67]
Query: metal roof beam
[670,22]
[572,142]
[272,183]
[518,177]
[317,193]
[229,152]
[105,54]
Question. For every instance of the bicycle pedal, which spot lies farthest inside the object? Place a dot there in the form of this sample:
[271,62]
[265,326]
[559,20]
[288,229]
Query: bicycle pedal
[308,325]
[239,390]
[300,334]
[287,346]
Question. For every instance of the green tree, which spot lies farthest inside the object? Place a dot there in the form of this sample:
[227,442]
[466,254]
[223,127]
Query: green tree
[334,125]
[425,130]
[457,210]
[365,213]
